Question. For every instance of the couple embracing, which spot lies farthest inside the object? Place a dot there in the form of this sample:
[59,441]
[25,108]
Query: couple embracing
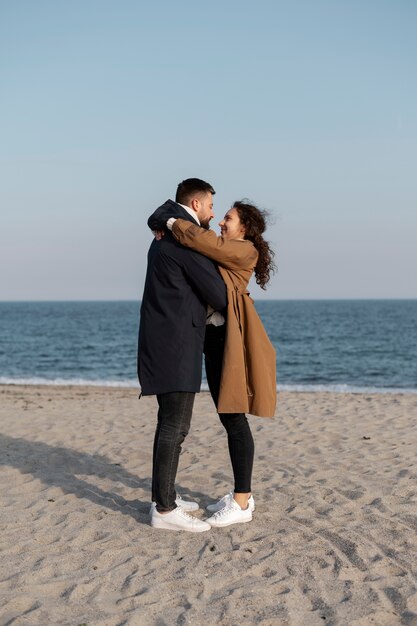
[196,301]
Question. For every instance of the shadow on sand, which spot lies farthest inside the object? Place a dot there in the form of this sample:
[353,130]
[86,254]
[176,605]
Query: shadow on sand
[60,467]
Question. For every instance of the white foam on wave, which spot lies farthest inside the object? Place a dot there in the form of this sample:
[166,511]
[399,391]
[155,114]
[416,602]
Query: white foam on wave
[82,382]
[346,389]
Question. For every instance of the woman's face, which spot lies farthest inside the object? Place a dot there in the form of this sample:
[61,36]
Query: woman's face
[231,226]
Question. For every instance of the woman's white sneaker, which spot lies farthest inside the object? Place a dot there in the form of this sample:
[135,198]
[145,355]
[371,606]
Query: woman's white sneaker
[220,504]
[186,505]
[178,519]
[230,514]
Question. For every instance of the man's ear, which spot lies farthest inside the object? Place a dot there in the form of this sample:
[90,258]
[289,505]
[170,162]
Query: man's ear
[195,204]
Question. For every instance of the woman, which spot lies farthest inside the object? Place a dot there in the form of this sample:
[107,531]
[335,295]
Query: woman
[240,359]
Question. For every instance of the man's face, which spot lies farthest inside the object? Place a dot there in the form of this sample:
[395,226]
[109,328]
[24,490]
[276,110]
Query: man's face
[204,208]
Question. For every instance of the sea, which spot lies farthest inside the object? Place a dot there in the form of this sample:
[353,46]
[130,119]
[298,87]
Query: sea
[321,345]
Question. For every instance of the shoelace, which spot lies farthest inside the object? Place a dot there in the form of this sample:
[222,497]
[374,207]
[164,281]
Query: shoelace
[184,514]
[225,509]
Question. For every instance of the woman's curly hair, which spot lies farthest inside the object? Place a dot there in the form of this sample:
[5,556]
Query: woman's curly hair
[254,220]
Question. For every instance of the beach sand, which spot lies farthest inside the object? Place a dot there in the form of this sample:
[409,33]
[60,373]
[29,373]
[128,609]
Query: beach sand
[333,539]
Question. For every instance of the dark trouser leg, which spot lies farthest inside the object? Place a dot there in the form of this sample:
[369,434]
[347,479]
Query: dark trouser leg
[241,449]
[174,417]
[155,447]
[239,436]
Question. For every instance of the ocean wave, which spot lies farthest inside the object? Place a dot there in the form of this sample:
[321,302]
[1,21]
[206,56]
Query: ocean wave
[300,388]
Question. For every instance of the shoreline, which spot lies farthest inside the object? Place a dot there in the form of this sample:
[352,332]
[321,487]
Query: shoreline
[333,538]
[330,389]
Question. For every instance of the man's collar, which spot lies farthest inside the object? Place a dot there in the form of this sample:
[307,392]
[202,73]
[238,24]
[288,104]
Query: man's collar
[190,212]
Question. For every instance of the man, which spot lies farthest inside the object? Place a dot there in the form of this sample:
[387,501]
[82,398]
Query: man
[179,285]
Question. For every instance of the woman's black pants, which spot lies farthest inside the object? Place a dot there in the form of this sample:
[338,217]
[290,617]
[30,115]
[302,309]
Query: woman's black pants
[239,436]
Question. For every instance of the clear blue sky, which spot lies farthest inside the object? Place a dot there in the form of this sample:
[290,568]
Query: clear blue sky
[307,108]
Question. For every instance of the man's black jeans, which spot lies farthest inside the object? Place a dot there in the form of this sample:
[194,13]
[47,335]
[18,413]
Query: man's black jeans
[174,417]
[239,436]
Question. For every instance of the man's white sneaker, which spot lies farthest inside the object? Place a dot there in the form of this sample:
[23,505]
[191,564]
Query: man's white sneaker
[230,514]
[220,504]
[186,505]
[178,519]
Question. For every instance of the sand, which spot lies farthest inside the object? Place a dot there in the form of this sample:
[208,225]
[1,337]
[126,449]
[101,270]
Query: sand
[333,539]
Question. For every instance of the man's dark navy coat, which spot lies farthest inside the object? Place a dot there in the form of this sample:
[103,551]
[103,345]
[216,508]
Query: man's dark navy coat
[179,285]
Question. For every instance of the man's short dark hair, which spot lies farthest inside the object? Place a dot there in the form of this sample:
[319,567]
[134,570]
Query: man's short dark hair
[189,187]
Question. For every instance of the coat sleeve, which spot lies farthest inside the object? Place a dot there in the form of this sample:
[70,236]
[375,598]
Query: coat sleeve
[158,219]
[205,280]
[231,254]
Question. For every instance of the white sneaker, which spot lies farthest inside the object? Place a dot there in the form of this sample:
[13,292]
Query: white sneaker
[230,514]
[178,519]
[220,504]
[186,505]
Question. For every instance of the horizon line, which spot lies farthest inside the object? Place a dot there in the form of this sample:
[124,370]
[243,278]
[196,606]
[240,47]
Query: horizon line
[323,299]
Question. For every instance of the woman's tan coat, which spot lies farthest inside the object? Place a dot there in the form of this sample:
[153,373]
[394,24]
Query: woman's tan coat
[248,383]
